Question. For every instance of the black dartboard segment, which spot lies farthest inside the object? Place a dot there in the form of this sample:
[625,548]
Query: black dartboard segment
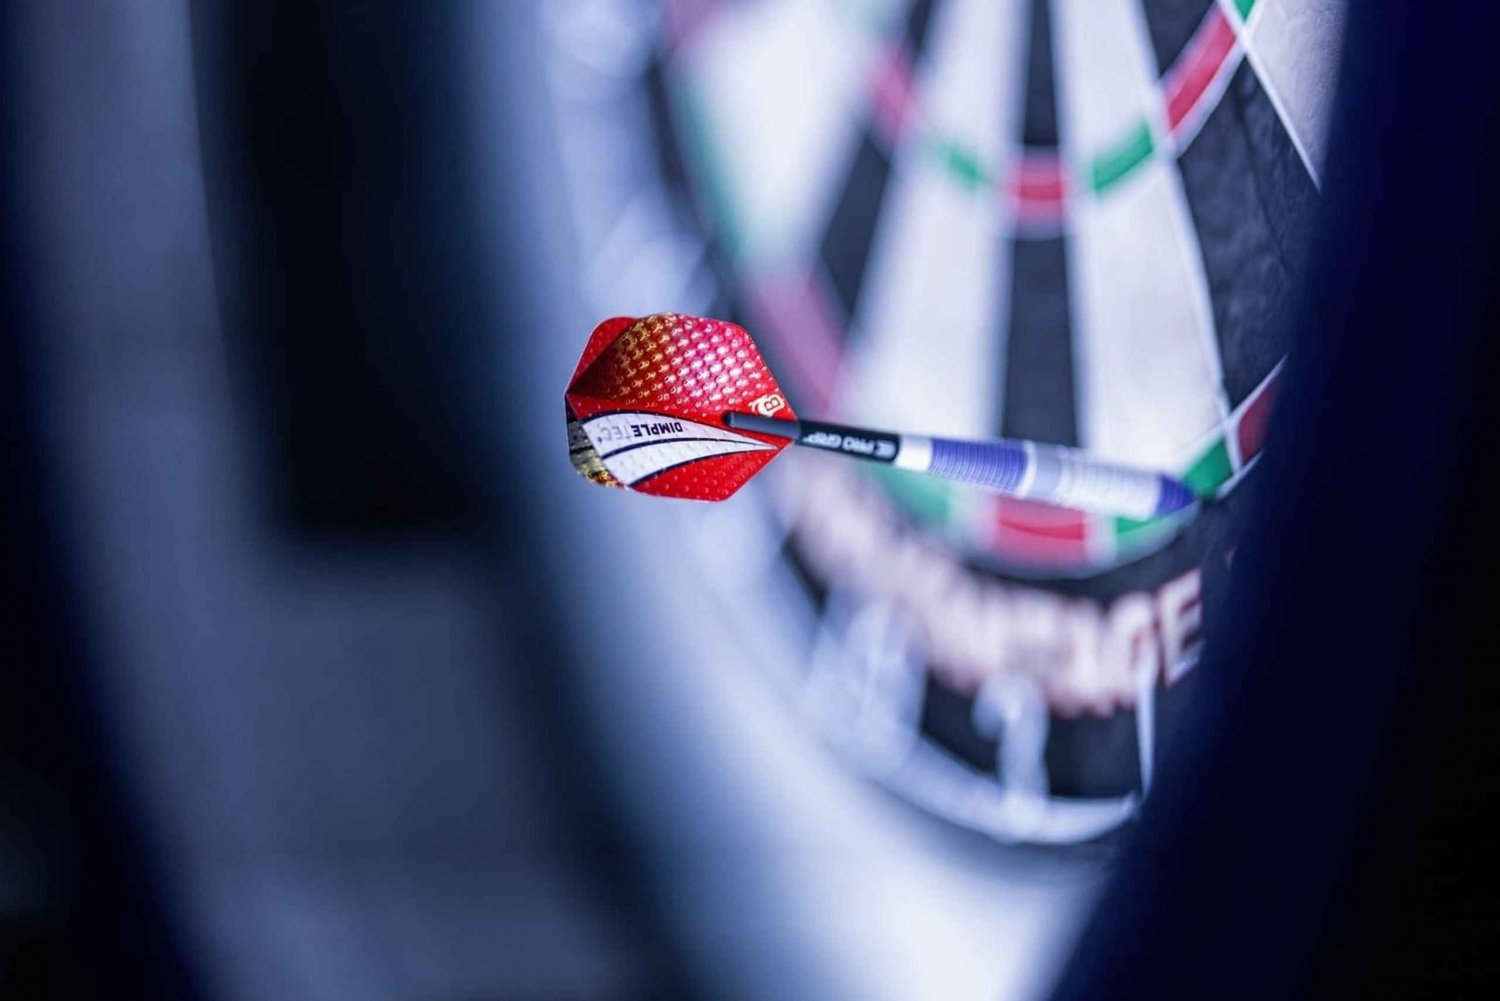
[846,246]
[1251,200]
[1038,401]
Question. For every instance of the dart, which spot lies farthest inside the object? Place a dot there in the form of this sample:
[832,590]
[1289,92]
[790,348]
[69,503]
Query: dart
[682,406]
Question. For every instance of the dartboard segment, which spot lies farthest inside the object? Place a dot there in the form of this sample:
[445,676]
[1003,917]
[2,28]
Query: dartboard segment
[1248,242]
[1037,187]
[925,336]
[1038,363]
[1149,375]
[1291,45]
[776,146]
[1251,241]
[1039,400]
[1193,81]
[1171,26]
[845,248]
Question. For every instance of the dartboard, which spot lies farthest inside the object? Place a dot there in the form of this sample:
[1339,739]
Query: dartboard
[1078,222]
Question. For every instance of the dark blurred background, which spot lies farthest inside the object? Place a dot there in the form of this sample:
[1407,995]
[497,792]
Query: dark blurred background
[288,716]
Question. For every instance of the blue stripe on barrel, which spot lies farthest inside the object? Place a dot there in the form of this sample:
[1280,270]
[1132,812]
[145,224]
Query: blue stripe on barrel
[1175,496]
[998,465]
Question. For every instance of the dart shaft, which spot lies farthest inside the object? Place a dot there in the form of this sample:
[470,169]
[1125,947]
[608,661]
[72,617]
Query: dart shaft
[1025,469]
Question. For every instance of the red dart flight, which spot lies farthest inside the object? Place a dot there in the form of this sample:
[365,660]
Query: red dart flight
[646,407]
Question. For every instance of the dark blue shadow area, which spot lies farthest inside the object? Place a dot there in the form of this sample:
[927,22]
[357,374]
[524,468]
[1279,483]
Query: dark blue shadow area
[1322,828]
[283,713]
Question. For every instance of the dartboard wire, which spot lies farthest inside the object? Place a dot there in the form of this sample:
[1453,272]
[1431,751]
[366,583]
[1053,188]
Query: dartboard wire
[1230,18]
[1239,454]
[1244,24]
[1158,109]
[1202,42]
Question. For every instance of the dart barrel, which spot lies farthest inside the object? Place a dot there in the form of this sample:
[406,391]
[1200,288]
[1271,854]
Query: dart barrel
[1048,473]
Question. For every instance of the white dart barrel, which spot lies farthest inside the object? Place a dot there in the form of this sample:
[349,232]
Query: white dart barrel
[1049,473]
[1056,475]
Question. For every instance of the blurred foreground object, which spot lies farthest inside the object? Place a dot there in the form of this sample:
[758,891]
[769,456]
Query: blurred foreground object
[1326,828]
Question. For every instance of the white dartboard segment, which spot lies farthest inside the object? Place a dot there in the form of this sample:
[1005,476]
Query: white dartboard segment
[928,332]
[1148,379]
[1293,47]
[780,140]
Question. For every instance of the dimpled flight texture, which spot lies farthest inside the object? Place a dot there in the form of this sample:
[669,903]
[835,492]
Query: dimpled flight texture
[646,406]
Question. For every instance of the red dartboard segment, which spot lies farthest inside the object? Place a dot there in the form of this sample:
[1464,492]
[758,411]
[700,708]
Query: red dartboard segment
[1041,532]
[1190,77]
[894,94]
[1250,430]
[1039,177]
[1037,186]
[647,406]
